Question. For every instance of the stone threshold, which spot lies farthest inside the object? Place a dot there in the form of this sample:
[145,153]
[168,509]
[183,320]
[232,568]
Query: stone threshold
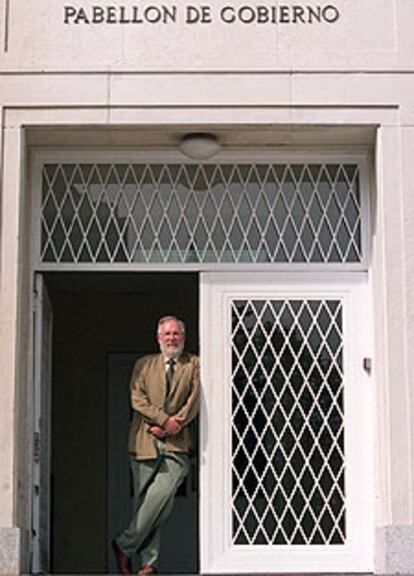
[219,574]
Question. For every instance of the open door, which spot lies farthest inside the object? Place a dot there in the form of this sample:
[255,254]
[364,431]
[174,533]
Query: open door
[43,323]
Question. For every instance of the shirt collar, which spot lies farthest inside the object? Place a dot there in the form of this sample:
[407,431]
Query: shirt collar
[166,359]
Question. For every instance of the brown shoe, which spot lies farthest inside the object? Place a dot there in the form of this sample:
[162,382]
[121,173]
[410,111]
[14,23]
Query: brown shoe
[147,570]
[122,560]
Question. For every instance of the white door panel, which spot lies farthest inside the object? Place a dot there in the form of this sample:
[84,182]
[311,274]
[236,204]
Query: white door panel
[43,324]
[287,474]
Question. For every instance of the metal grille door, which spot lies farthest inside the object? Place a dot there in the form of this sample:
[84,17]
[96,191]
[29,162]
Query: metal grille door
[288,480]
[97,213]
[287,422]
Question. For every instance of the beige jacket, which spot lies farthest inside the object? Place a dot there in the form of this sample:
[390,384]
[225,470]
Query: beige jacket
[147,399]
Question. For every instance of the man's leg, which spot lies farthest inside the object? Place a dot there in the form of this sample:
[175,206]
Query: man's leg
[157,485]
[150,549]
[142,472]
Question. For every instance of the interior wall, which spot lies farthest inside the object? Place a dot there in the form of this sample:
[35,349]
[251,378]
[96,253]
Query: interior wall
[95,315]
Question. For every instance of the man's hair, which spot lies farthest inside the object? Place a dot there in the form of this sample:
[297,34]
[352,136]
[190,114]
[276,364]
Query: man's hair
[165,319]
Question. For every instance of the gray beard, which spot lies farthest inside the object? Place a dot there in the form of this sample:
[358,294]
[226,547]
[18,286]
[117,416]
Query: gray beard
[172,353]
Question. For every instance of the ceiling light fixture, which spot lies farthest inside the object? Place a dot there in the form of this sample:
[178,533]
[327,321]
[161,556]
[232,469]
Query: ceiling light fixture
[199,146]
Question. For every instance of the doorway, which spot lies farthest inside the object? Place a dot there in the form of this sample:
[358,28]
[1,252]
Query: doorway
[295,227]
[102,323]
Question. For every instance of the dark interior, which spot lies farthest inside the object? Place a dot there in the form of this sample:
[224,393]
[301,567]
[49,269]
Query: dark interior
[101,322]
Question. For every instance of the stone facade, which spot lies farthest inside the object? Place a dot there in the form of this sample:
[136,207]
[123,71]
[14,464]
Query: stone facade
[127,76]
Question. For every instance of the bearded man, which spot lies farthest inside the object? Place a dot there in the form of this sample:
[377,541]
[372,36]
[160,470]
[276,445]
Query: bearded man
[165,391]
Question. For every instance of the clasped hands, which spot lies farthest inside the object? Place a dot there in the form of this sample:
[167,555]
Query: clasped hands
[171,427]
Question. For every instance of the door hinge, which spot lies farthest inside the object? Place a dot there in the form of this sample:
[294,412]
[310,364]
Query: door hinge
[36,447]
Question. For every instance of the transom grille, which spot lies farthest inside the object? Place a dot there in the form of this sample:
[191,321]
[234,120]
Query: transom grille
[203,213]
[288,468]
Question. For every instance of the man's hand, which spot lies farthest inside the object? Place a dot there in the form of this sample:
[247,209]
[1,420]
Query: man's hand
[158,432]
[173,425]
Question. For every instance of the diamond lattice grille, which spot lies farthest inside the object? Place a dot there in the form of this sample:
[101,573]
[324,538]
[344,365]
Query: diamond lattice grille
[288,422]
[186,213]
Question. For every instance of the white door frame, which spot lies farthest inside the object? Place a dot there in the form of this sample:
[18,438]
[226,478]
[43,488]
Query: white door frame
[218,554]
[210,327]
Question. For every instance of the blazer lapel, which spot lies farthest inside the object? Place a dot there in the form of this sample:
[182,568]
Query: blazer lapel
[160,375]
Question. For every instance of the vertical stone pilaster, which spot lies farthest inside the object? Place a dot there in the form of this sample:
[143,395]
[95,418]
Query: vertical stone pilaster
[395,532]
[9,295]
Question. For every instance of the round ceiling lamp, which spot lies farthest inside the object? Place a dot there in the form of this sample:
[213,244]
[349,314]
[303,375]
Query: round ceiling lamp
[199,146]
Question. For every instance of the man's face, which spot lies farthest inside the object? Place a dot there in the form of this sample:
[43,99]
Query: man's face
[171,339]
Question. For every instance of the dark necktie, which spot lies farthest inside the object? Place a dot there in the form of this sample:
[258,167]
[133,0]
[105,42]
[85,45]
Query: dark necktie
[168,380]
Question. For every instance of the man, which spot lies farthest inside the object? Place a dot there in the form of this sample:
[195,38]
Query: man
[165,392]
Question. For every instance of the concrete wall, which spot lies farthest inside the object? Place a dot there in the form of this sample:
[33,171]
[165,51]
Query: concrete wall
[346,84]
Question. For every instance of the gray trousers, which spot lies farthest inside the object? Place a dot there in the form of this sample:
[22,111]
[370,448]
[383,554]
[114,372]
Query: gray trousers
[155,483]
